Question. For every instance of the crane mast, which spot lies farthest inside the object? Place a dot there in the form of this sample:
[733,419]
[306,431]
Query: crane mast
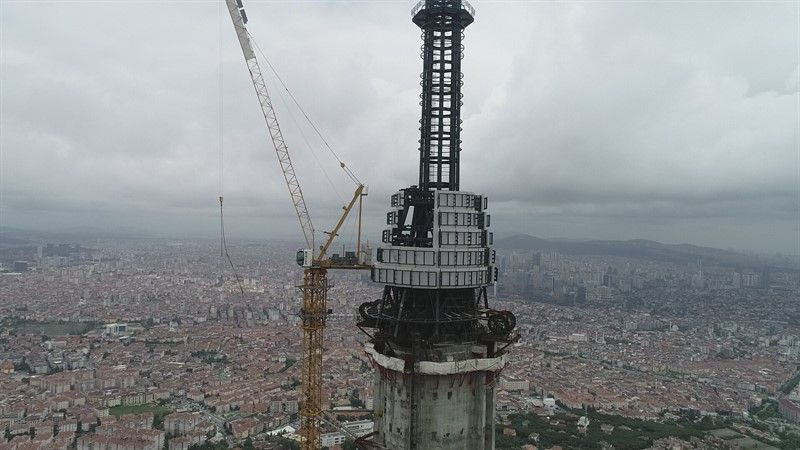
[239,19]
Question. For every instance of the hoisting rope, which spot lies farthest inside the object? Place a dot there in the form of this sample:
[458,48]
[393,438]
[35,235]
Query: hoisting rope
[223,244]
[224,249]
[310,122]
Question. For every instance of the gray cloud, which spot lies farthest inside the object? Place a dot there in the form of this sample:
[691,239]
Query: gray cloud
[676,122]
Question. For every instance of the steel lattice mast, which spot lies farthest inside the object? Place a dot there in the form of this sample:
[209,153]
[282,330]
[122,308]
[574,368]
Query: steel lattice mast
[442,23]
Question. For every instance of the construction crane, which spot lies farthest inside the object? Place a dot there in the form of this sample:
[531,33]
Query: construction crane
[316,262]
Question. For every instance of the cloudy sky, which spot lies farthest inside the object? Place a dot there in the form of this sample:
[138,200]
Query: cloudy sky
[673,121]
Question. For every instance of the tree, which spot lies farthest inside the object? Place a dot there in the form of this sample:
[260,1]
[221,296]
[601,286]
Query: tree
[355,401]
[288,443]
[221,445]
[248,444]
[22,366]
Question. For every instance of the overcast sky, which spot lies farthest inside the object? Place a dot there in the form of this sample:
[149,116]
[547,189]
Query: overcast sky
[674,121]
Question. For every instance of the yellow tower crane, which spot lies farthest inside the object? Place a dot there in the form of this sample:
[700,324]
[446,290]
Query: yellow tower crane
[315,282]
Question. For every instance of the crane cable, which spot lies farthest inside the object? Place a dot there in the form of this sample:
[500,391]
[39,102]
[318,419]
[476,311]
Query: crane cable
[313,153]
[224,249]
[223,244]
[311,122]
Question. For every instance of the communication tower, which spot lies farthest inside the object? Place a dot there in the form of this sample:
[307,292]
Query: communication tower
[436,345]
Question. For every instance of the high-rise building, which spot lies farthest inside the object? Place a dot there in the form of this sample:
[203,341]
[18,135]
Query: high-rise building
[20,266]
[764,280]
[536,260]
[436,345]
[580,295]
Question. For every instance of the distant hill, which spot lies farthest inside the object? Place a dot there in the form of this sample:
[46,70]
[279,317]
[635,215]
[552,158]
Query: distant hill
[524,242]
[11,241]
[10,236]
[640,248]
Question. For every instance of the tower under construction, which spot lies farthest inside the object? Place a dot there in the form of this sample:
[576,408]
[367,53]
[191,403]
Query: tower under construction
[435,344]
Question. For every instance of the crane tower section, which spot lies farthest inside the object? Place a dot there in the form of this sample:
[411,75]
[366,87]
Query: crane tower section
[436,345]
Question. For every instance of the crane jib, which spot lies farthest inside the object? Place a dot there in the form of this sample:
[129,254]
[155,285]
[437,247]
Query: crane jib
[298,201]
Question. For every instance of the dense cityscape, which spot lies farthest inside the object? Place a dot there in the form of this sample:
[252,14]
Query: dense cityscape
[654,144]
[160,344]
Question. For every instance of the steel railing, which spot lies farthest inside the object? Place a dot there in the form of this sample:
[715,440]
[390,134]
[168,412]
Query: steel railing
[421,4]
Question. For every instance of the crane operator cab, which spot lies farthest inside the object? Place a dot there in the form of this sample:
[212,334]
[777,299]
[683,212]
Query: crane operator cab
[304,257]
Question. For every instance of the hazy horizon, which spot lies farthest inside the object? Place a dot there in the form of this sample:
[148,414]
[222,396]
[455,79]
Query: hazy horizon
[88,233]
